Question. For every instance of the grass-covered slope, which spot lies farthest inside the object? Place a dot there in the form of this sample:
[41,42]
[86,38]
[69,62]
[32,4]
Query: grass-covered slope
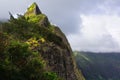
[99,66]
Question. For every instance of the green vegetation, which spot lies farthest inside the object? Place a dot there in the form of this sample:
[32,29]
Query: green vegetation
[99,66]
[32,7]
[31,10]
[22,29]
[36,18]
[18,62]
[19,42]
[33,49]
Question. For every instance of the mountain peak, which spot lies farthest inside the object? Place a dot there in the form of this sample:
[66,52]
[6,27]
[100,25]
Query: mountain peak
[33,10]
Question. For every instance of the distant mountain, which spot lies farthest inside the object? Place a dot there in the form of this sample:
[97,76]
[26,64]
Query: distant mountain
[3,20]
[99,66]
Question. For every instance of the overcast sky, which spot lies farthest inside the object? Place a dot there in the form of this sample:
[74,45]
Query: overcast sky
[90,25]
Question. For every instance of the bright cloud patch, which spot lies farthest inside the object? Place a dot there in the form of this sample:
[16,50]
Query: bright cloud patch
[97,33]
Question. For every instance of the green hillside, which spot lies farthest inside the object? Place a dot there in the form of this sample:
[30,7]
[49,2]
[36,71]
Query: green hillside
[19,42]
[33,49]
[99,66]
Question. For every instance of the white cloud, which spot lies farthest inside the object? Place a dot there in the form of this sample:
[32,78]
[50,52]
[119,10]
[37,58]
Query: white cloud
[97,33]
[99,30]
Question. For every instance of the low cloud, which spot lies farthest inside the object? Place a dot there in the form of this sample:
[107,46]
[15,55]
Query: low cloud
[99,33]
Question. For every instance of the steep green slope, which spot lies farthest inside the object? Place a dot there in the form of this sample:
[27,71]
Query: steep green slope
[33,49]
[99,66]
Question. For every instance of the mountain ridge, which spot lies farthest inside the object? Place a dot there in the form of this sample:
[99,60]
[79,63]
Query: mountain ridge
[99,66]
[35,50]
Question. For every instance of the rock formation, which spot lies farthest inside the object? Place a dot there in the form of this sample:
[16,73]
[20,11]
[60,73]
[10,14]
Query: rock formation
[33,9]
[59,58]
[35,50]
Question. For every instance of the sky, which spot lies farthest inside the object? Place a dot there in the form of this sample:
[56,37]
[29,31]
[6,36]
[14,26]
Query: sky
[90,25]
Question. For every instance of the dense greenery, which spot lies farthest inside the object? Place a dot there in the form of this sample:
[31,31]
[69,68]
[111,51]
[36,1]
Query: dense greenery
[24,30]
[19,58]
[33,49]
[36,18]
[99,66]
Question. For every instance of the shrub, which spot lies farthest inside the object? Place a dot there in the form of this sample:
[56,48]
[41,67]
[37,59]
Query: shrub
[50,76]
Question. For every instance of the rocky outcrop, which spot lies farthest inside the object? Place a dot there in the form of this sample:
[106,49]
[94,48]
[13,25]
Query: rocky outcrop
[58,55]
[71,66]
[33,9]
[44,22]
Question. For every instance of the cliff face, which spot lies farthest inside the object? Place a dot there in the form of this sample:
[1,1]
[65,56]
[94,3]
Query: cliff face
[58,57]
[71,71]
[47,40]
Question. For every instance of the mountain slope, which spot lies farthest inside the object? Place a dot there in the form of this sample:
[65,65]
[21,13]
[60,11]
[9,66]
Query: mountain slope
[99,66]
[33,49]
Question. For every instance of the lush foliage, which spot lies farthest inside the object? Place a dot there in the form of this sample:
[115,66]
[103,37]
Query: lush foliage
[18,62]
[24,30]
[36,18]
[19,58]
[99,66]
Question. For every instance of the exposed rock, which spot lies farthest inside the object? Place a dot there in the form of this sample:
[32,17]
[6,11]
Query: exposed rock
[33,49]
[72,71]
[44,22]
[59,58]
[33,10]
[11,16]
[34,13]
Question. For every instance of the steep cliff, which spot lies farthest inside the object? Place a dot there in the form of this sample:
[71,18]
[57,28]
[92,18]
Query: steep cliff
[45,40]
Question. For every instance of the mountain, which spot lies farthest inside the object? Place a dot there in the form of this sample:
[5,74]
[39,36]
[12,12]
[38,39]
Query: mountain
[31,48]
[99,66]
